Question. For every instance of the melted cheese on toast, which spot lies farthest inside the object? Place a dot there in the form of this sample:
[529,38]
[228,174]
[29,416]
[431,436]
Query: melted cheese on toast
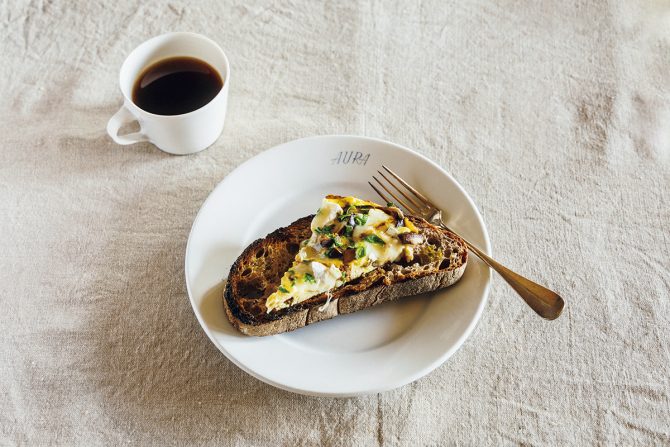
[350,237]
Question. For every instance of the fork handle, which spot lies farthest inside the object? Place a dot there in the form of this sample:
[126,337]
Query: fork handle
[546,303]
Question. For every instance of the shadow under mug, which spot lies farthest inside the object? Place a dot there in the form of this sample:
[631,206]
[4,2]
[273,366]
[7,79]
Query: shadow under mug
[176,134]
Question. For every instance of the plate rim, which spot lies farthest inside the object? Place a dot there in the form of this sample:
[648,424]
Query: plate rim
[391,386]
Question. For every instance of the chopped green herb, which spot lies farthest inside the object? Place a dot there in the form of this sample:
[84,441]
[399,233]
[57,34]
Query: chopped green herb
[348,230]
[309,278]
[324,230]
[374,239]
[344,217]
[390,204]
[282,289]
[360,252]
[360,219]
[337,241]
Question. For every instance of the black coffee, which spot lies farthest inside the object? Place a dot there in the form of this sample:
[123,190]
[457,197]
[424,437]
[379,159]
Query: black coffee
[176,85]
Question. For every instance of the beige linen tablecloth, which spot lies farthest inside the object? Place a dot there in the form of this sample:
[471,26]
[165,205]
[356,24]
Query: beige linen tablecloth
[555,116]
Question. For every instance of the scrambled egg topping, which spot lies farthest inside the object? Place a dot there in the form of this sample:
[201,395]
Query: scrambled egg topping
[350,237]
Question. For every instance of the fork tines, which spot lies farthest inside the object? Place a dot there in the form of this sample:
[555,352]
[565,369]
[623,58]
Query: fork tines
[415,205]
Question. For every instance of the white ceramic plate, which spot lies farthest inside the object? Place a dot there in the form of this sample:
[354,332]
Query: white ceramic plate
[374,350]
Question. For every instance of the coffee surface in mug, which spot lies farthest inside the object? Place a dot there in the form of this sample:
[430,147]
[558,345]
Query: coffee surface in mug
[176,85]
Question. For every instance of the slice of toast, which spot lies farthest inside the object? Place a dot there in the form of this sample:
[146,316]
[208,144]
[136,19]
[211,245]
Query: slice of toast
[258,270]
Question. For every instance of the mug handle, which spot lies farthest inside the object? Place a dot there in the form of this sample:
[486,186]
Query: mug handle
[123,116]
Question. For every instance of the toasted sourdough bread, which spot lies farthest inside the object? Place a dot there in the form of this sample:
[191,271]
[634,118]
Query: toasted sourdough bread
[258,270]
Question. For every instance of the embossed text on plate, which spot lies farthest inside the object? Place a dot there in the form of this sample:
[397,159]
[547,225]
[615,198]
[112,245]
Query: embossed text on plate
[350,158]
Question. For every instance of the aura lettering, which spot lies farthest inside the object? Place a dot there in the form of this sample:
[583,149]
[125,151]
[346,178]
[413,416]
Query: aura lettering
[350,157]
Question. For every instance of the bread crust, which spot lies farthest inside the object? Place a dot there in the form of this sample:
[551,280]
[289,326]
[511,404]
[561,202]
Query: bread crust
[381,285]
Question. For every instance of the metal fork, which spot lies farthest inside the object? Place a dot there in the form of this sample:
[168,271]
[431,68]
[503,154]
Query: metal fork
[544,302]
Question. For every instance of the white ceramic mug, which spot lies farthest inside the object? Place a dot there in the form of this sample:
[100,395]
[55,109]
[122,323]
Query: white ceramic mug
[176,134]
